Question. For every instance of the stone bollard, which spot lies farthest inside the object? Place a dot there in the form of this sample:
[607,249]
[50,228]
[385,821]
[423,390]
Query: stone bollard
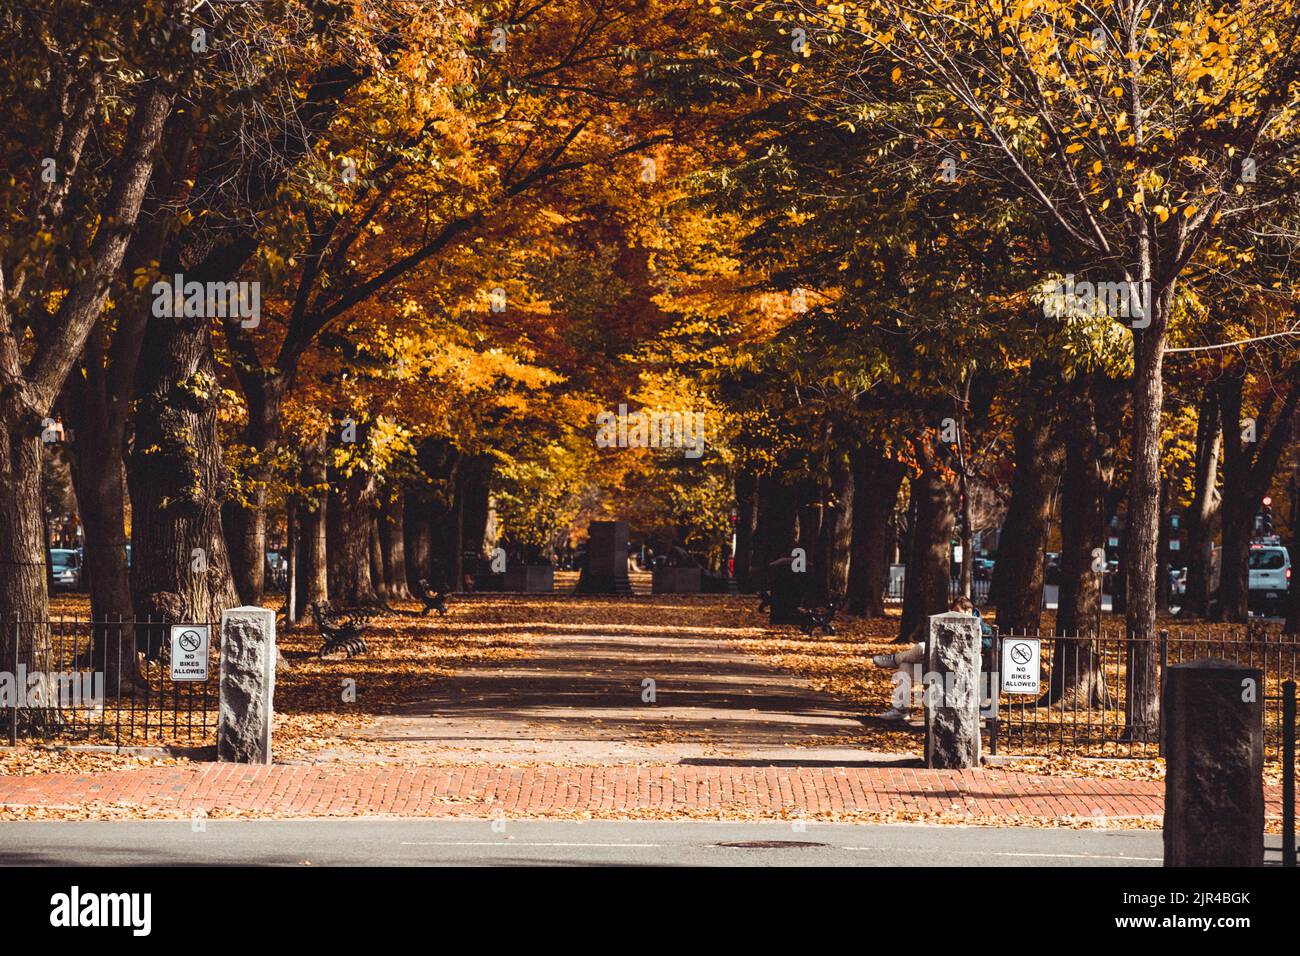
[247,685]
[1214,764]
[952,694]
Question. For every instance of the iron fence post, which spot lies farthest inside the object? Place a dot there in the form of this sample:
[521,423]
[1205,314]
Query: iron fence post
[1160,691]
[1288,773]
[995,692]
[13,715]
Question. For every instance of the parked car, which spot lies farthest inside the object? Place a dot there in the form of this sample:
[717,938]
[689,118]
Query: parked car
[65,568]
[982,568]
[1269,570]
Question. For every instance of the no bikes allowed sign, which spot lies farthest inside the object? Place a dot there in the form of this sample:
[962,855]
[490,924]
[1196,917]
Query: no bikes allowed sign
[1022,659]
[190,652]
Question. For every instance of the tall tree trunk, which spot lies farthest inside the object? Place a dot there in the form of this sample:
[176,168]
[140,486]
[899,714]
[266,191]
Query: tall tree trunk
[417,527]
[245,518]
[1248,469]
[101,502]
[349,518]
[1239,510]
[1292,623]
[1089,467]
[473,487]
[313,512]
[1142,525]
[1204,508]
[811,498]
[929,565]
[775,525]
[22,555]
[179,568]
[291,585]
[1018,573]
[393,519]
[837,531]
[30,388]
[746,523]
[1162,550]
[877,478]
[377,579]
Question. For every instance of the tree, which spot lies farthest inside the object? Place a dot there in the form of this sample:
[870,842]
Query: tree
[83,69]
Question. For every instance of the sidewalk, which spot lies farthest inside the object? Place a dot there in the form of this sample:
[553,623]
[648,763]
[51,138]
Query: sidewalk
[866,794]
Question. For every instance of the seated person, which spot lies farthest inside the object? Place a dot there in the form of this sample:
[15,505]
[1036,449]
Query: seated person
[916,653]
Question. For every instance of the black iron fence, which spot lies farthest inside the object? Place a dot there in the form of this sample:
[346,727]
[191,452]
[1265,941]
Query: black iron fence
[1088,699]
[979,590]
[128,682]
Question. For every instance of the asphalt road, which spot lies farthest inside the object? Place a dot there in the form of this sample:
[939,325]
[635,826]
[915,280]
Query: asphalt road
[394,842]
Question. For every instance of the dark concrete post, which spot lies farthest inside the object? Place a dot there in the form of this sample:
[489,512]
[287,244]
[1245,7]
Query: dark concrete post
[1214,752]
[952,694]
[605,571]
[247,685]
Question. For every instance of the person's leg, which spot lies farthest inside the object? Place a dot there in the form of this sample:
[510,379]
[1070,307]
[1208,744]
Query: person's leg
[913,655]
[903,683]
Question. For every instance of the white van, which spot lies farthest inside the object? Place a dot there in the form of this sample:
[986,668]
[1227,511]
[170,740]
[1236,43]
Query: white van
[1270,576]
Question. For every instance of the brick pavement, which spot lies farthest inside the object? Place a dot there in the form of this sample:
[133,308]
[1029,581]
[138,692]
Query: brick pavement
[988,795]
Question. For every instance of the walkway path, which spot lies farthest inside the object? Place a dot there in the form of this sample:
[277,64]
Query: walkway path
[876,794]
[635,694]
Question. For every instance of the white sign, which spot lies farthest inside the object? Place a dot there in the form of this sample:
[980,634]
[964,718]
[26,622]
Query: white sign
[1022,660]
[189,652]
[956,554]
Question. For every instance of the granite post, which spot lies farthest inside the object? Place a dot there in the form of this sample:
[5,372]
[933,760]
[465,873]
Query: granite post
[952,692]
[1213,725]
[247,685]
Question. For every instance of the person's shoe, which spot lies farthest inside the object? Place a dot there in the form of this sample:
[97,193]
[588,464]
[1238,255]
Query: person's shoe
[885,660]
[894,714]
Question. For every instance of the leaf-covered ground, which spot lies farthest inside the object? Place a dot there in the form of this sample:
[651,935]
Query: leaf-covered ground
[328,706]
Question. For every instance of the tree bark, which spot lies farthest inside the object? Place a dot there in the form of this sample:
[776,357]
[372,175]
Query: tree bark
[1142,526]
[1292,624]
[1077,676]
[377,579]
[746,486]
[929,565]
[291,584]
[1018,573]
[473,488]
[245,519]
[180,570]
[811,498]
[1204,508]
[349,518]
[417,527]
[1248,469]
[29,390]
[877,478]
[313,511]
[836,537]
[777,516]
[392,523]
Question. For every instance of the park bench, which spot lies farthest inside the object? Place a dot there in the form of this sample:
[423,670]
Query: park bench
[434,599]
[341,630]
[810,618]
[815,617]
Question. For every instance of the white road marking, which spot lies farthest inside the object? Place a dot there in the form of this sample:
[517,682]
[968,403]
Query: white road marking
[1052,856]
[514,843]
[867,849]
